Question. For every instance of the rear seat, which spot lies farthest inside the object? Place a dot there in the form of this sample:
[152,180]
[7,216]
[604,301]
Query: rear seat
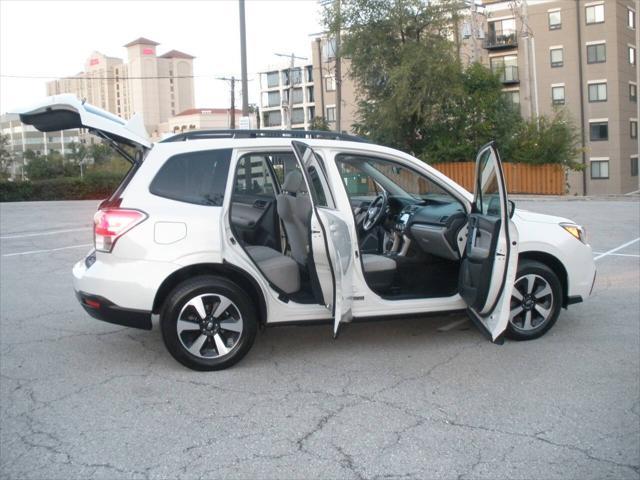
[281,270]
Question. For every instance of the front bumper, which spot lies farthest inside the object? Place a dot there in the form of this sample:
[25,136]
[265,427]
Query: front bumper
[105,310]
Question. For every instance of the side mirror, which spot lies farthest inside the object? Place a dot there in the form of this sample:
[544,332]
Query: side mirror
[512,208]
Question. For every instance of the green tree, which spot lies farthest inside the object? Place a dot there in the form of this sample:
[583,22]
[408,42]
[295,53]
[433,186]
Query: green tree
[547,139]
[319,123]
[414,94]
[100,153]
[6,158]
[403,63]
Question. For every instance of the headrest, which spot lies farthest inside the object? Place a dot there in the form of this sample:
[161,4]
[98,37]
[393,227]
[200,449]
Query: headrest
[293,181]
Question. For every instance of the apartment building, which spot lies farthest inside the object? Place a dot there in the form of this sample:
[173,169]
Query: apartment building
[23,137]
[287,97]
[314,92]
[578,55]
[155,86]
[324,65]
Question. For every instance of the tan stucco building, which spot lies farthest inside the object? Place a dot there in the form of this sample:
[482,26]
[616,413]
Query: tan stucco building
[157,87]
[581,56]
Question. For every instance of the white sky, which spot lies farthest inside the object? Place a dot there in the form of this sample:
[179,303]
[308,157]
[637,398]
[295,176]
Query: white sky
[54,38]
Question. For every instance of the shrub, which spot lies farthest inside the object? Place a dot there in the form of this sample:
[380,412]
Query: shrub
[94,186]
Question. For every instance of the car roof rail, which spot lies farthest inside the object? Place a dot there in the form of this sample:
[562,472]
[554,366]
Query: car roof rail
[293,134]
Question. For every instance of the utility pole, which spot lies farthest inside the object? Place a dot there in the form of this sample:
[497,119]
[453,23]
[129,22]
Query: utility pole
[243,60]
[293,58]
[319,53]
[338,68]
[232,82]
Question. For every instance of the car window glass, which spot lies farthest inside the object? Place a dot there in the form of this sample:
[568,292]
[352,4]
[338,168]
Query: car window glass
[282,164]
[253,177]
[364,176]
[488,193]
[194,177]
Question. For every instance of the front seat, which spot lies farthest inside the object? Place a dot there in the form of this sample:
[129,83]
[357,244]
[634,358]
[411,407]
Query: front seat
[379,270]
[294,209]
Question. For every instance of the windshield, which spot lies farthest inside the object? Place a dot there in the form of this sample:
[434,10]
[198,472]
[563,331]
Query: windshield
[364,177]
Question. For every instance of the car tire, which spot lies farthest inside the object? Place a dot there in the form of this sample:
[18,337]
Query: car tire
[536,301]
[198,335]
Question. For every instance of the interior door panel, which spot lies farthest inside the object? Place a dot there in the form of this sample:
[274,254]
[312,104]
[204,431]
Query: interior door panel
[476,267]
[255,220]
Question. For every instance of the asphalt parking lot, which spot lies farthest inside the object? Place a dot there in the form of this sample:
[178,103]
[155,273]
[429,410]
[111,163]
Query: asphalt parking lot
[400,399]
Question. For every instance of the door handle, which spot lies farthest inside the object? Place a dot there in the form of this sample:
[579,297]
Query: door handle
[316,231]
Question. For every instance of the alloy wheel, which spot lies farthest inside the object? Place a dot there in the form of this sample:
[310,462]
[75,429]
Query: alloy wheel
[532,303]
[209,326]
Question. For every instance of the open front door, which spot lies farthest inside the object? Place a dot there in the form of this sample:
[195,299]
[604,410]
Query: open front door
[331,253]
[490,259]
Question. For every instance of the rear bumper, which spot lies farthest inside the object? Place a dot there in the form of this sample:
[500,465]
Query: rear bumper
[105,310]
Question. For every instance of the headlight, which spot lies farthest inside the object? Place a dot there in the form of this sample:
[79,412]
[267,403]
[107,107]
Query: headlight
[575,230]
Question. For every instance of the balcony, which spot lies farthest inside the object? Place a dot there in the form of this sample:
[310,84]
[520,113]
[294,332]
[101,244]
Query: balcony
[501,39]
[507,74]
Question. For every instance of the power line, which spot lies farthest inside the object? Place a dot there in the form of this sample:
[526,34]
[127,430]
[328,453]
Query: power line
[54,77]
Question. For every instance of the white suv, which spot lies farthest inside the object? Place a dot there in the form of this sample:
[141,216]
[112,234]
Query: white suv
[221,232]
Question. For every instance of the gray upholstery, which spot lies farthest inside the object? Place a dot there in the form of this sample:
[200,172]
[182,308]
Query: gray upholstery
[279,269]
[294,209]
[377,263]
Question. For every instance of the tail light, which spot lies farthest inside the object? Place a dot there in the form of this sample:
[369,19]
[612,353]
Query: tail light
[111,223]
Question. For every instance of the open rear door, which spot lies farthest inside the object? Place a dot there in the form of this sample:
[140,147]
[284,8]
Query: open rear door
[63,112]
[489,264]
[331,252]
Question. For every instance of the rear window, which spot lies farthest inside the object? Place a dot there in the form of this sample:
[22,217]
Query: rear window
[194,177]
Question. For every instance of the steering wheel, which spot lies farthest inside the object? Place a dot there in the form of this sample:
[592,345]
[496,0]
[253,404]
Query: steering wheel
[376,211]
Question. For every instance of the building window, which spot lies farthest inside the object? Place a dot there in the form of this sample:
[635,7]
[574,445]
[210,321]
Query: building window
[631,18]
[285,77]
[633,128]
[598,131]
[634,166]
[331,114]
[555,20]
[557,57]
[273,119]
[632,55]
[297,116]
[513,97]
[330,83]
[502,33]
[310,97]
[598,92]
[328,49]
[599,168]
[297,95]
[506,68]
[597,53]
[595,14]
[273,79]
[557,95]
[271,99]
[296,76]
[308,70]
[633,92]
[311,113]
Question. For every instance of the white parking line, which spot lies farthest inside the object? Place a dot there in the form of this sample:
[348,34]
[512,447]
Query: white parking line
[613,250]
[619,254]
[41,234]
[32,252]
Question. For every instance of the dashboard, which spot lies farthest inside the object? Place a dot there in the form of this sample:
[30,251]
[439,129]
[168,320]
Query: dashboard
[433,224]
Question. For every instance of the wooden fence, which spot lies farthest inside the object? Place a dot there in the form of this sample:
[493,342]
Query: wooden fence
[547,179]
